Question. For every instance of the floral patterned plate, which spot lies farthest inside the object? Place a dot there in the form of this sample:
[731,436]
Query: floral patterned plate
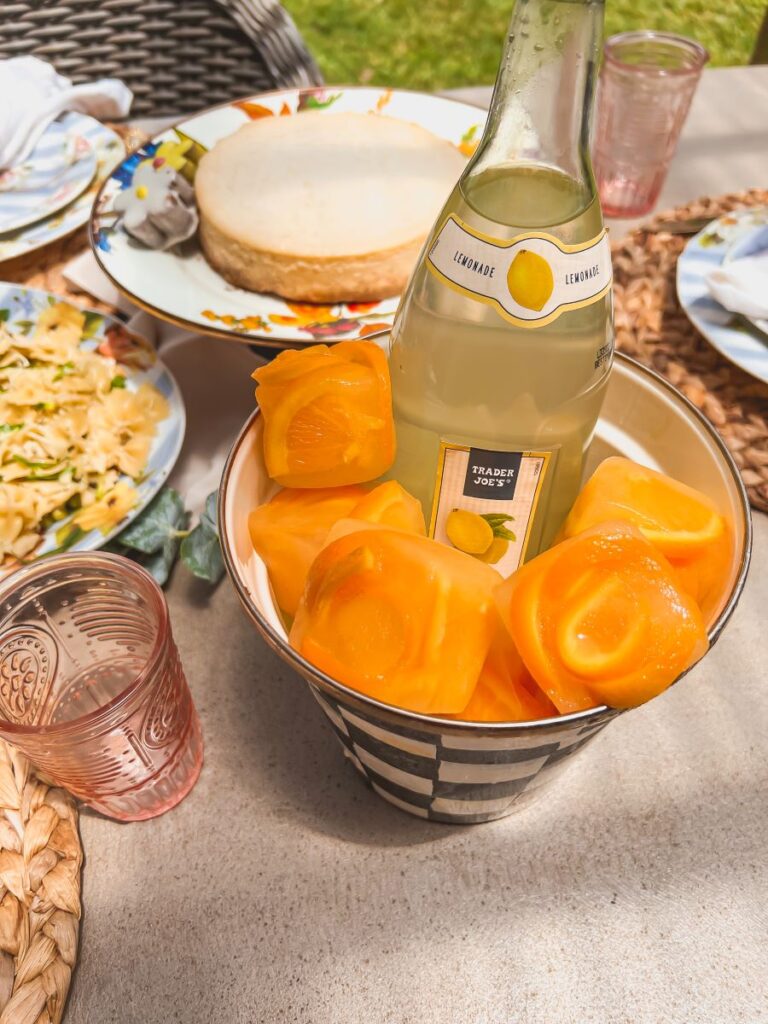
[57,170]
[19,311]
[181,287]
[108,150]
[738,339]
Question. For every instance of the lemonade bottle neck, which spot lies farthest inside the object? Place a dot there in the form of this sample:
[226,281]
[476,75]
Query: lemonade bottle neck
[542,102]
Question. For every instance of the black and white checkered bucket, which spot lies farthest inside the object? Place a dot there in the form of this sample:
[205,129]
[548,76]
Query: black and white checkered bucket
[469,772]
[437,772]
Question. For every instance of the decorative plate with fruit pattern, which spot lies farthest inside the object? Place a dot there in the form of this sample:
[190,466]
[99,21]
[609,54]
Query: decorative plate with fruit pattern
[179,285]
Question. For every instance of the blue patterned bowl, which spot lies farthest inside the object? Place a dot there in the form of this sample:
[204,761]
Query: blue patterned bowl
[466,772]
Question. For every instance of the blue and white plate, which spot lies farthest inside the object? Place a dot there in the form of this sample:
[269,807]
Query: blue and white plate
[108,150]
[58,169]
[139,364]
[733,235]
[752,243]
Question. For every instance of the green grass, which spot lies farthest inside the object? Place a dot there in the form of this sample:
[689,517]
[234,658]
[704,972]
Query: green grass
[442,44]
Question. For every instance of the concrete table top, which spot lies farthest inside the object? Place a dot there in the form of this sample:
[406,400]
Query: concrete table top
[282,889]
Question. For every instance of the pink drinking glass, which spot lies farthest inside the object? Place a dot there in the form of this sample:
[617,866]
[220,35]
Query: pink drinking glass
[646,86]
[91,686]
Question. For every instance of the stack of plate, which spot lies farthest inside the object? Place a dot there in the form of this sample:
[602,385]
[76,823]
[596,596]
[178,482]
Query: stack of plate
[50,194]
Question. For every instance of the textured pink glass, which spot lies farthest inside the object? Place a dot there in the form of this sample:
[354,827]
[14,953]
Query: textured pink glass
[91,686]
[646,86]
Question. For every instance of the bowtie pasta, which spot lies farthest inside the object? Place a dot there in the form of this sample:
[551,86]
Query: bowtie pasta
[71,431]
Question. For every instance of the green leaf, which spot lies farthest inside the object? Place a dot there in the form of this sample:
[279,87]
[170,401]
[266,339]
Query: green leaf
[4,314]
[160,564]
[25,326]
[201,553]
[93,322]
[117,382]
[210,514]
[160,522]
[496,521]
[201,550]
[152,539]
[7,428]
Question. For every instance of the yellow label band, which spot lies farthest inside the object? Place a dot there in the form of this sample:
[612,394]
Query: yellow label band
[530,280]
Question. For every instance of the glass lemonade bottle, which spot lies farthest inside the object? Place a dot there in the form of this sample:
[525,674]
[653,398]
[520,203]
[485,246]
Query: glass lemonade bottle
[503,341]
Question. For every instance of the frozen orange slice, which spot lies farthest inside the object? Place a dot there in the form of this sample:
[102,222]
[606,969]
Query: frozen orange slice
[390,504]
[290,530]
[683,523]
[399,617]
[327,415]
[506,691]
[705,576]
[600,618]
[679,520]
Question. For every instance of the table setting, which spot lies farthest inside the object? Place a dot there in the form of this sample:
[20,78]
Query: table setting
[288,710]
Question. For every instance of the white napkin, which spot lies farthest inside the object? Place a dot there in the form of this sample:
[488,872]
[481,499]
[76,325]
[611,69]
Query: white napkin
[742,286]
[34,95]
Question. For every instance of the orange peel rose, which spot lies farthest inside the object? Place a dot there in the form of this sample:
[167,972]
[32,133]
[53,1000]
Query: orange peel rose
[327,415]
[399,617]
[600,619]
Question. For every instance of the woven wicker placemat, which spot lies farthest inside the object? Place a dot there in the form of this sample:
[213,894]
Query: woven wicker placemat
[40,862]
[652,327]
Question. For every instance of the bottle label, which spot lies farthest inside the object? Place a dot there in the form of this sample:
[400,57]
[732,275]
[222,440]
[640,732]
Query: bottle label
[495,494]
[530,280]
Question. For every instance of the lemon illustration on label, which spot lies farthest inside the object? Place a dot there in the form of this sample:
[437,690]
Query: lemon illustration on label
[499,547]
[484,535]
[530,280]
[468,531]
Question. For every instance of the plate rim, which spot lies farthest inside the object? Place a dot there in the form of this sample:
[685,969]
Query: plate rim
[33,218]
[162,474]
[692,318]
[250,337]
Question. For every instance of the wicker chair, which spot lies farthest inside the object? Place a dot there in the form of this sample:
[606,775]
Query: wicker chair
[176,55]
